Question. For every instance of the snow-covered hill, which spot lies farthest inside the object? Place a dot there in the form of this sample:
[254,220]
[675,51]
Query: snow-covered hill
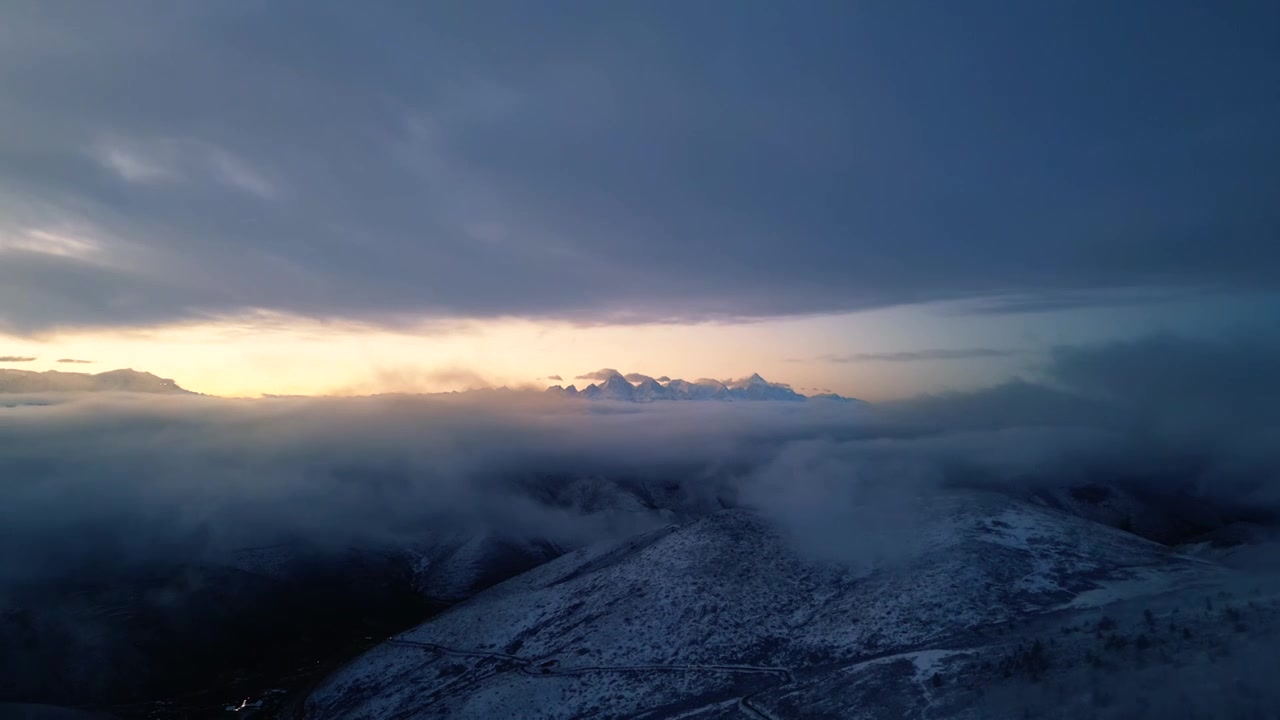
[117,635]
[722,617]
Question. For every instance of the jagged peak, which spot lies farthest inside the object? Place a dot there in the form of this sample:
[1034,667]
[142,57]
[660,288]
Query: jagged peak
[638,387]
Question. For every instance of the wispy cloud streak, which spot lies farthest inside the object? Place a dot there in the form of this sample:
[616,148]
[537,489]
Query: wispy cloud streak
[923,355]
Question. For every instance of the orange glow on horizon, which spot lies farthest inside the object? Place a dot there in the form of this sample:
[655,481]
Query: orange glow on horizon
[275,354]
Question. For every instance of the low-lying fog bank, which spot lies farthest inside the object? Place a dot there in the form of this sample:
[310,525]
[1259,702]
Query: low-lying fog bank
[119,508]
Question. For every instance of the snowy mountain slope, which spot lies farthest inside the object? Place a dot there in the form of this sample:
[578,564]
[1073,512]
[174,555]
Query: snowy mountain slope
[1148,650]
[456,570]
[757,388]
[445,566]
[114,636]
[721,617]
[642,388]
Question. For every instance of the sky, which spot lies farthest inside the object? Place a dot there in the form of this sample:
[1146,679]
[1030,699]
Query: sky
[878,199]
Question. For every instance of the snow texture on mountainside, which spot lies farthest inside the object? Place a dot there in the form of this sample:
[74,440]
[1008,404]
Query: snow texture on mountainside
[644,389]
[721,617]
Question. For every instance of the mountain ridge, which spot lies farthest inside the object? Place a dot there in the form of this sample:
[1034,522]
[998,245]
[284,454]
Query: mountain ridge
[639,388]
[1001,608]
[14,381]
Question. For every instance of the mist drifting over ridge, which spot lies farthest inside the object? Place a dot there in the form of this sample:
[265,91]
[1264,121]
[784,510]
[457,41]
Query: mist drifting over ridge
[176,478]
[104,488]
[368,259]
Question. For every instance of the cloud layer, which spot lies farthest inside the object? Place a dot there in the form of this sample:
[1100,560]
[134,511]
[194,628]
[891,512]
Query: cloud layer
[183,478]
[922,355]
[99,487]
[601,375]
[637,163]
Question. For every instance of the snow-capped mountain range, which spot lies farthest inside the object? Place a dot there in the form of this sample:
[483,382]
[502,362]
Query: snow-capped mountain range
[642,388]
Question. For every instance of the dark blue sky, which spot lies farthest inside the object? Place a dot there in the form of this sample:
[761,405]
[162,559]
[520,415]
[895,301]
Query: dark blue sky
[605,163]
[628,160]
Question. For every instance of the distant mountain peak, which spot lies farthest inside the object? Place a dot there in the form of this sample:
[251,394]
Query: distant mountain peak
[122,380]
[638,387]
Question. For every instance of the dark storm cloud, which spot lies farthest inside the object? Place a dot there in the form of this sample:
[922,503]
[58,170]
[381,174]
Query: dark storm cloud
[921,355]
[15,359]
[599,162]
[1170,373]
[1159,383]
[1189,429]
